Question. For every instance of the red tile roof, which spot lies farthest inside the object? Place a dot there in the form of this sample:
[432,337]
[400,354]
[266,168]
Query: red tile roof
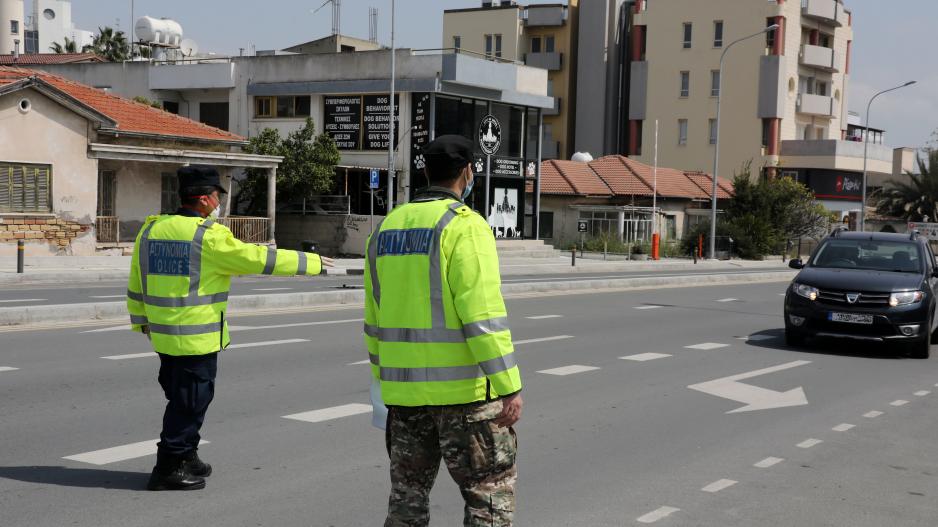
[615,176]
[130,116]
[49,58]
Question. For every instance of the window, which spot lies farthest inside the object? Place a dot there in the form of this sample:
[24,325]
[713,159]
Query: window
[546,226]
[765,132]
[169,193]
[535,44]
[688,34]
[107,192]
[498,46]
[25,188]
[713,131]
[32,42]
[285,107]
[171,107]
[15,27]
[715,83]
[549,44]
[685,84]
[302,106]
[214,114]
[263,107]
[824,41]
[457,42]
[821,88]
[770,36]
[718,34]
[682,131]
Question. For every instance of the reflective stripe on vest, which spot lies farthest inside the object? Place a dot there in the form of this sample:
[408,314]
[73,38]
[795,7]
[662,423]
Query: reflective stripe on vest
[449,373]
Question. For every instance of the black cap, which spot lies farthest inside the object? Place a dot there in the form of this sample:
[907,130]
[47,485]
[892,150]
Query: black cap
[447,152]
[199,176]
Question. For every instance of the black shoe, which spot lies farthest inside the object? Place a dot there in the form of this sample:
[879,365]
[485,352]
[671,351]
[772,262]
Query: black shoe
[170,473]
[196,466]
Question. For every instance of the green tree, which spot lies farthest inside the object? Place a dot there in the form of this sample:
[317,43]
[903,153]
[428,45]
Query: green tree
[308,167]
[917,198]
[110,45]
[69,46]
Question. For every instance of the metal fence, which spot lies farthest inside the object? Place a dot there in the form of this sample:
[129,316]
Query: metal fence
[327,205]
[107,229]
[247,228]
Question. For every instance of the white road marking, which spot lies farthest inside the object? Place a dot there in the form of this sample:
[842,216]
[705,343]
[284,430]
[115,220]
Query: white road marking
[545,339]
[327,414]
[922,393]
[782,294]
[22,300]
[647,307]
[544,317]
[302,324]
[719,485]
[873,414]
[366,361]
[808,443]
[754,397]
[769,462]
[569,370]
[119,453]
[642,357]
[658,514]
[126,327]
[267,343]
[131,356]
[7,368]
[725,300]
[109,296]
[706,346]
[899,402]
[274,289]
[843,427]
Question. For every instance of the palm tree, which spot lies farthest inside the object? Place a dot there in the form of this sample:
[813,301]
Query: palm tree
[916,199]
[68,47]
[110,45]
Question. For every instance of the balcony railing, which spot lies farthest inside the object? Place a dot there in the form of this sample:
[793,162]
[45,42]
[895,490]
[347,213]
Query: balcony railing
[819,57]
[545,16]
[107,229]
[247,229]
[551,61]
[556,109]
[827,11]
[816,105]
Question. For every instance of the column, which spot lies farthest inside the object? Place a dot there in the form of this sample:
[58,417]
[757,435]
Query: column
[622,226]
[271,204]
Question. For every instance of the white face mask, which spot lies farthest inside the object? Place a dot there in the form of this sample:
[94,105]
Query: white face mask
[214,214]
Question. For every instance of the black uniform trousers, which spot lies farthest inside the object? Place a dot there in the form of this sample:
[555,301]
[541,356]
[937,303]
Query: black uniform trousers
[189,385]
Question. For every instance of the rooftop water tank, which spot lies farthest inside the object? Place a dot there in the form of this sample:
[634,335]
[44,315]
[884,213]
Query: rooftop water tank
[161,31]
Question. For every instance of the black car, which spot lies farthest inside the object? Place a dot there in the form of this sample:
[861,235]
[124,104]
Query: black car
[865,286]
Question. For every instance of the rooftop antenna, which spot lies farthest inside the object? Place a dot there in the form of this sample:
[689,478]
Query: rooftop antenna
[373,24]
[336,14]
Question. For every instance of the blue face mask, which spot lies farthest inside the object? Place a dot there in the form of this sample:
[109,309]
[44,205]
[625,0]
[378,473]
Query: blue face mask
[468,190]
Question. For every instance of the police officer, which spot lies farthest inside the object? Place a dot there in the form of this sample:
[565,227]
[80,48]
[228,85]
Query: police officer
[437,334]
[178,295]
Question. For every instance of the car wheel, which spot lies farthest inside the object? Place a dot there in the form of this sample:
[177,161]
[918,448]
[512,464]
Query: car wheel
[793,338]
[921,349]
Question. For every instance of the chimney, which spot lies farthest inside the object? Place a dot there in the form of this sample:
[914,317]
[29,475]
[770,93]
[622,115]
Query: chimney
[16,50]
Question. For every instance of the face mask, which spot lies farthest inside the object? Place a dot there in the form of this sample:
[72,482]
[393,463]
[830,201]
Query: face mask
[468,190]
[214,214]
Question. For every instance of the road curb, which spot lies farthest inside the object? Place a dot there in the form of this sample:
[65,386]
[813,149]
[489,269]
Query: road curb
[117,311]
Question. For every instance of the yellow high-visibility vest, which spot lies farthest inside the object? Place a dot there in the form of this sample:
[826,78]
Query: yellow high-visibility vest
[180,276]
[436,326]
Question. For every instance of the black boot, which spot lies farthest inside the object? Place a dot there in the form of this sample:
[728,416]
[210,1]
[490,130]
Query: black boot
[196,466]
[171,473]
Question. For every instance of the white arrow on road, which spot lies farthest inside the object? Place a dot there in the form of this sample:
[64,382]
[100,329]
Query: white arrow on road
[754,397]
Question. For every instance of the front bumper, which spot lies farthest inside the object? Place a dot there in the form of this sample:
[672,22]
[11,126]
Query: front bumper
[886,326]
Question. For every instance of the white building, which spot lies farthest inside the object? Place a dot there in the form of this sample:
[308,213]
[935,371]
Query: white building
[51,22]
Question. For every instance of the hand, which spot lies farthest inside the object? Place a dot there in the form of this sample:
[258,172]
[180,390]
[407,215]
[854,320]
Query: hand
[327,262]
[511,411]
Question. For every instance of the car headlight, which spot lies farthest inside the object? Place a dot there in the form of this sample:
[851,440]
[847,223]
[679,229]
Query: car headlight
[905,297]
[805,290]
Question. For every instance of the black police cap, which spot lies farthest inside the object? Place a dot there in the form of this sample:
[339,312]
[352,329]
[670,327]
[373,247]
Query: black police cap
[194,176]
[448,151]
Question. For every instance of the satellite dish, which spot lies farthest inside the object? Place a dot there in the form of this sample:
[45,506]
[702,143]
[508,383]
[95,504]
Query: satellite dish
[188,47]
[582,157]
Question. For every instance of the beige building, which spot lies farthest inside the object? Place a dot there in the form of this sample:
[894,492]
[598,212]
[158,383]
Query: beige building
[784,94]
[539,35]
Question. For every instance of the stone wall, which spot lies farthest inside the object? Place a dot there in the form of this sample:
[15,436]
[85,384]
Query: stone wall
[56,234]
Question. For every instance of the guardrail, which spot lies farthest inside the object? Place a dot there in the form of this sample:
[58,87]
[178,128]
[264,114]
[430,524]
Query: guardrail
[248,229]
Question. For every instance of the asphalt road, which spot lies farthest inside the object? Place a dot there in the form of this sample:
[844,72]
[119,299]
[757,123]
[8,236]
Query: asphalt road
[115,291]
[604,441]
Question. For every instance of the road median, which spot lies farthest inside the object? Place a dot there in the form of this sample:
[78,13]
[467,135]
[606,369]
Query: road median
[243,304]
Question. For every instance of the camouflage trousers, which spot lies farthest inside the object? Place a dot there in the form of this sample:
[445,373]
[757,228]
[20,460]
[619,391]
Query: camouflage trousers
[479,455]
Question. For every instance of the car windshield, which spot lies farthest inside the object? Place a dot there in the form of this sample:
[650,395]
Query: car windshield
[892,256]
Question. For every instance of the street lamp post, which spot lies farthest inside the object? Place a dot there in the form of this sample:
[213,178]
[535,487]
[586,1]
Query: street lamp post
[391,108]
[716,154]
[866,147]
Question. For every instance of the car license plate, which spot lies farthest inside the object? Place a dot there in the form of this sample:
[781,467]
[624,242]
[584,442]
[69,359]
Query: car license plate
[850,318]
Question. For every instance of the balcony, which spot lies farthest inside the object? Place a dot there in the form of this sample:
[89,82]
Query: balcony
[819,57]
[830,154]
[549,61]
[555,110]
[816,105]
[546,16]
[827,11]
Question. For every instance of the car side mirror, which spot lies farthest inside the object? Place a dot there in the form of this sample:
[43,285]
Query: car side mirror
[796,263]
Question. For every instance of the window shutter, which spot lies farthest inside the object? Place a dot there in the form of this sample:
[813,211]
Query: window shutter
[18,190]
[25,188]
[43,190]
[6,196]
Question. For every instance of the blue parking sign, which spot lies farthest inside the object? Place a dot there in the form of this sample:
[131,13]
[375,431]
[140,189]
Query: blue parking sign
[374,178]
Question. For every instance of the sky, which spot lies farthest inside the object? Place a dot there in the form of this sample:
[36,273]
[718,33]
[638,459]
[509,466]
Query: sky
[893,41]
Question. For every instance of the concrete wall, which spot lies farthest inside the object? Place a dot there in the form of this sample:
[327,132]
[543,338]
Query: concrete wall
[345,235]
[473,24]
[52,135]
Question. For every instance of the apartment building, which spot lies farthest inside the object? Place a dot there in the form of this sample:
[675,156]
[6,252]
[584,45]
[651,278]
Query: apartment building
[542,36]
